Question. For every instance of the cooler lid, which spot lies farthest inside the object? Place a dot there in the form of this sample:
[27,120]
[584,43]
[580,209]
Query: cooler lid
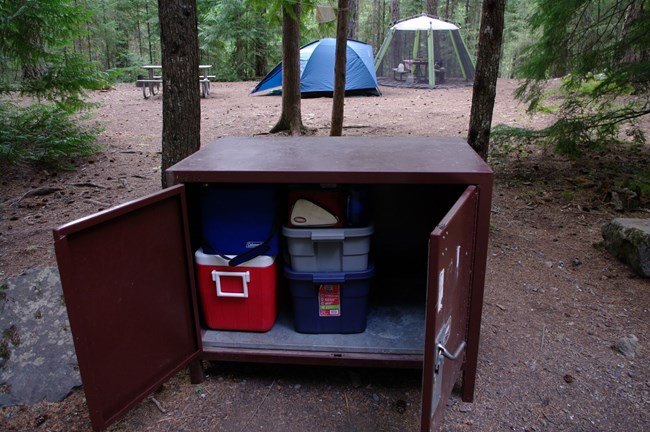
[202,258]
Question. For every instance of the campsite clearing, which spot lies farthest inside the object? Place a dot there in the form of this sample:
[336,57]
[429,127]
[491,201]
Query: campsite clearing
[555,303]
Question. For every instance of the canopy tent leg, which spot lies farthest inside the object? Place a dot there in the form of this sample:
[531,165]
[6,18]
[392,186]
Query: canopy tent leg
[431,59]
[416,48]
[458,59]
[382,50]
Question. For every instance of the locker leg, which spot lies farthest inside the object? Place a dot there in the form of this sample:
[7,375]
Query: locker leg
[467,387]
[197,375]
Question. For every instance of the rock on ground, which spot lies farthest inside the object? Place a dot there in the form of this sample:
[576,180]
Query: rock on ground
[37,358]
[628,239]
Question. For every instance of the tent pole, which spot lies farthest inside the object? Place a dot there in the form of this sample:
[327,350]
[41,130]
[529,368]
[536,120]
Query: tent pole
[431,59]
[453,42]
[384,47]
[416,48]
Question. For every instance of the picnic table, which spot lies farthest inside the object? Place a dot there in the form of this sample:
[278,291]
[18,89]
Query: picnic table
[151,84]
[419,67]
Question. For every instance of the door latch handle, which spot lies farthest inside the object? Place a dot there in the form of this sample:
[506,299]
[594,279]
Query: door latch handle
[441,351]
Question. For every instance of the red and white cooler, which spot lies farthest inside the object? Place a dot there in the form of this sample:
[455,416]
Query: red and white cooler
[237,298]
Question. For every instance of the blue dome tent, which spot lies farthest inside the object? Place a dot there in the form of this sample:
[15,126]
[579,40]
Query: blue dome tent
[317,71]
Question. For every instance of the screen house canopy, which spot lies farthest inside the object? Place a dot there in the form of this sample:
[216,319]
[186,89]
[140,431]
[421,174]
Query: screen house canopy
[424,52]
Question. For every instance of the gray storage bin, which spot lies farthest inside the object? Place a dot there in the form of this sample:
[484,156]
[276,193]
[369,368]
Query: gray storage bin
[328,249]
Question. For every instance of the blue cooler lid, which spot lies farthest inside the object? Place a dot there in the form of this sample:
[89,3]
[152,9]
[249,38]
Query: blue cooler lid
[329,277]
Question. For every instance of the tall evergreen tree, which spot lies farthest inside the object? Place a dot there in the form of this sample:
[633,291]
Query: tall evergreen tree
[353,18]
[431,7]
[181,134]
[338,101]
[485,79]
[291,116]
[394,11]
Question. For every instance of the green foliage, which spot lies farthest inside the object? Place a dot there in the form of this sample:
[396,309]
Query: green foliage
[409,8]
[121,33]
[601,49]
[517,36]
[66,83]
[568,195]
[42,133]
[242,39]
[507,141]
[36,37]
[127,74]
[236,29]
[32,32]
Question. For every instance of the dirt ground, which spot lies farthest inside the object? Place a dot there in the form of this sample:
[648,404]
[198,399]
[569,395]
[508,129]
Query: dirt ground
[555,301]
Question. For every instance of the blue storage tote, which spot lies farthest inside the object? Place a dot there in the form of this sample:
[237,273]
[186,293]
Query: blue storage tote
[330,302]
[239,219]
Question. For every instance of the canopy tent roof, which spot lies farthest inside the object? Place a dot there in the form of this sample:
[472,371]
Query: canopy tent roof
[424,52]
[424,22]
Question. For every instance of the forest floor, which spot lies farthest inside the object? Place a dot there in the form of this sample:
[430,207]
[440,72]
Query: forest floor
[555,301]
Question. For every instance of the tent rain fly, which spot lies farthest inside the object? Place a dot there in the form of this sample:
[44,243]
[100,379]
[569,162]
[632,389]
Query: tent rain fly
[317,71]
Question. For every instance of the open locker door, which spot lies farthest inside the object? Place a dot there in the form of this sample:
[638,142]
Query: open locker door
[451,250]
[127,278]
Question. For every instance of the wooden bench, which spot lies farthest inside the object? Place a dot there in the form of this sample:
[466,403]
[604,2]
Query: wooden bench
[401,74]
[151,84]
[142,82]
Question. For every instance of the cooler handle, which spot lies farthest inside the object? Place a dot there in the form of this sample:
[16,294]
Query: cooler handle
[245,278]
[320,235]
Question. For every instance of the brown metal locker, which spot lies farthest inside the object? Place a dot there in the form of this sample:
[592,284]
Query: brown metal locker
[128,277]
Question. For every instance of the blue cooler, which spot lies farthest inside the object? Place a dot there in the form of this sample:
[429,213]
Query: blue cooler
[330,302]
[239,220]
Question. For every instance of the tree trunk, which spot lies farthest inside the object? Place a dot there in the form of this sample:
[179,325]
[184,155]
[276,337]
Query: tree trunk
[338,103]
[260,58]
[396,56]
[394,11]
[431,7]
[487,72]
[378,19]
[634,11]
[291,117]
[261,49]
[146,11]
[240,59]
[139,35]
[353,13]
[181,134]
[107,50]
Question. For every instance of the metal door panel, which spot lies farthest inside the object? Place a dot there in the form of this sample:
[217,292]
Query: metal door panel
[451,250]
[127,277]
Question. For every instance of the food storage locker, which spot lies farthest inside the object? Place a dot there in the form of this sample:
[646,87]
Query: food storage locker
[130,288]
